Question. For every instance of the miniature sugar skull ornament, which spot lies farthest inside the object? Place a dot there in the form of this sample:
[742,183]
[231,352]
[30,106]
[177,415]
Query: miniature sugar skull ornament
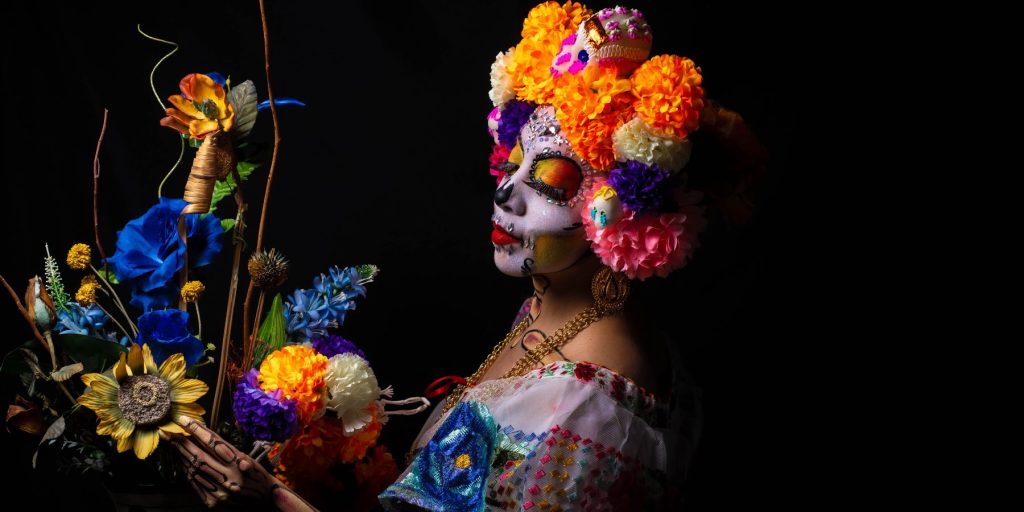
[605,207]
[618,37]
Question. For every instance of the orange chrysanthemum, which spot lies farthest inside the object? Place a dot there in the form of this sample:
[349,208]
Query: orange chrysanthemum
[377,471]
[313,451]
[298,371]
[355,446]
[589,107]
[543,31]
[669,94]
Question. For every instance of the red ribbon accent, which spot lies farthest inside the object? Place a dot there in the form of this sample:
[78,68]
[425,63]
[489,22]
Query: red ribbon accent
[443,386]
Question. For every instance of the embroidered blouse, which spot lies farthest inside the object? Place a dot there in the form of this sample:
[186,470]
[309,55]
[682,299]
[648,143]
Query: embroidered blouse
[567,436]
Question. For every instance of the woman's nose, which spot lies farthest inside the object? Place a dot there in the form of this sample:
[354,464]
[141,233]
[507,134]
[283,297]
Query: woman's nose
[504,192]
[508,201]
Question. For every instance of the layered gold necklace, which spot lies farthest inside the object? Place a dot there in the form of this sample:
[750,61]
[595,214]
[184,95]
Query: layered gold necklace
[610,290]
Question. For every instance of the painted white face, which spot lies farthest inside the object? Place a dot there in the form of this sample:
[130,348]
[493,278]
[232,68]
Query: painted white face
[537,206]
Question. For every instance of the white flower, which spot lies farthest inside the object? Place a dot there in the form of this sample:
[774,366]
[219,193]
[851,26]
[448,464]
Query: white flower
[351,388]
[501,82]
[636,140]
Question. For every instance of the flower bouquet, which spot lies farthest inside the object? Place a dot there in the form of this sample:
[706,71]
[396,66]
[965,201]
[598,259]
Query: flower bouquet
[118,361]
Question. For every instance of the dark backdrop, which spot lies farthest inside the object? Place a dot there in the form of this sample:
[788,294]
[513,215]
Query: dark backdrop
[387,165]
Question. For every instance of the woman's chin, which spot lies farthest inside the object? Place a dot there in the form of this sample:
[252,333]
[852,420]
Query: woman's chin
[510,264]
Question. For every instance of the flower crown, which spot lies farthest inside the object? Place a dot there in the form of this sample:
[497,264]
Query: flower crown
[583,80]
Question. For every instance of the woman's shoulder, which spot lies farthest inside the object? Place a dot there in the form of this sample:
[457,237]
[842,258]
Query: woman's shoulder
[628,348]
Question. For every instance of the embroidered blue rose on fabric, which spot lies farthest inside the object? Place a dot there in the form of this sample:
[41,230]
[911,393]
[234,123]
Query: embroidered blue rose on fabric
[450,472]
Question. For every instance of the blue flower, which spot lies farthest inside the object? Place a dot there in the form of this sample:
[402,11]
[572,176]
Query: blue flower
[450,472]
[311,312]
[150,253]
[166,332]
[87,321]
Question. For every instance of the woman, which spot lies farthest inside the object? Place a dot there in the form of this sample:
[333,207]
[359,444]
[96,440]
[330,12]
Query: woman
[584,404]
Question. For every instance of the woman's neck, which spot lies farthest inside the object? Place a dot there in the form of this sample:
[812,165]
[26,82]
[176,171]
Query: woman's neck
[563,294]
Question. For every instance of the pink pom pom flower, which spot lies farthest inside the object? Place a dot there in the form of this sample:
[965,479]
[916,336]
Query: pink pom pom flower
[645,245]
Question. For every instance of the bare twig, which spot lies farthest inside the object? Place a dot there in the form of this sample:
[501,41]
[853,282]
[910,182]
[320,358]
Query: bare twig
[24,313]
[45,341]
[96,191]
[225,343]
[247,335]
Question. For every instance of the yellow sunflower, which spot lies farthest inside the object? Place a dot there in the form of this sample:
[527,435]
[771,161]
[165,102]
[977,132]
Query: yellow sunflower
[140,399]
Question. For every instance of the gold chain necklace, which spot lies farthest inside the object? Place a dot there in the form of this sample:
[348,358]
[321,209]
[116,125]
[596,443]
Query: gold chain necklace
[610,290]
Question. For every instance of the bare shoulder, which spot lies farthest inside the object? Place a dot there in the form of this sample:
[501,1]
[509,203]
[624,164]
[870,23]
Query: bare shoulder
[618,344]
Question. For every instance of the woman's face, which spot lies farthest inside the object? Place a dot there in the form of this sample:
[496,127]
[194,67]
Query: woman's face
[537,205]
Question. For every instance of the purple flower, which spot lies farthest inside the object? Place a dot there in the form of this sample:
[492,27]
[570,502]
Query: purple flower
[330,345]
[264,416]
[514,115]
[641,188]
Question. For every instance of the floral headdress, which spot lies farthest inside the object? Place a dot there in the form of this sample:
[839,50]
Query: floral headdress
[584,79]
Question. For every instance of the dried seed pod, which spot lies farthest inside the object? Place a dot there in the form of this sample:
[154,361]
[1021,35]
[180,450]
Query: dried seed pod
[268,269]
[214,161]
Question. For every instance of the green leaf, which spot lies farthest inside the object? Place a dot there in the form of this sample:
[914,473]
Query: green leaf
[272,334]
[243,99]
[109,275]
[367,272]
[227,224]
[226,187]
[195,143]
[96,354]
[56,430]
[14,362]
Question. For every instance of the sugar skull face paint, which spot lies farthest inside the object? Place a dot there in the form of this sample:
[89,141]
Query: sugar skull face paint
[537,205]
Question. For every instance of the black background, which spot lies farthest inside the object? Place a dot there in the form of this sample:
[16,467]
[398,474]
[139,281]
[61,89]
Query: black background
[387,165]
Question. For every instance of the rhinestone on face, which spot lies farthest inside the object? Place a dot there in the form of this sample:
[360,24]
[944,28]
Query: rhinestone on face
[144,399]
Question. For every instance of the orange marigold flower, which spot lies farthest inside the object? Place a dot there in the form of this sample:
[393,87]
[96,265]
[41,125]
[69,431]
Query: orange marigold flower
[378,470]
[543,31]
[298,371]
[313,451]
[669,94]
[589,107]
[354,448]
[201,108]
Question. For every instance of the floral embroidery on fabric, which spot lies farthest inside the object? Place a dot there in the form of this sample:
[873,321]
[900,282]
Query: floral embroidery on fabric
[570,472]
[451,470]
[623,390]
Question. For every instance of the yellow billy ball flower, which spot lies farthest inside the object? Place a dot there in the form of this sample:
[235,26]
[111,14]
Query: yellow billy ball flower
[79,256]
[86,293]
[192,291]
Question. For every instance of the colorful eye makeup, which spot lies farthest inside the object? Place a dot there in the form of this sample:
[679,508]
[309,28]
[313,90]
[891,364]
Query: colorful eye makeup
[557,177]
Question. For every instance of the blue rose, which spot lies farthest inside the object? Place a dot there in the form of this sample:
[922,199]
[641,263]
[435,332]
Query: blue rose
[166,332]
[150,253]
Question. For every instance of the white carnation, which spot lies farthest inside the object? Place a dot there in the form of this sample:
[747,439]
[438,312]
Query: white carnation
[636,140]
[351,388]
[501,82]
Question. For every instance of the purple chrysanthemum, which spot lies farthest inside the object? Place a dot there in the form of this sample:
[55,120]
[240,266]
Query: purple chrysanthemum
[641,188]
[330,345]
[264,416]
[514,115]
